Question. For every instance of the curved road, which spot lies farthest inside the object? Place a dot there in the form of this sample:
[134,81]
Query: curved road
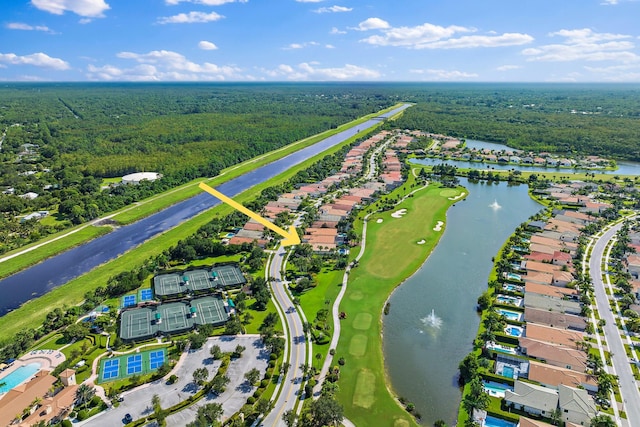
[621,364]
[60,269]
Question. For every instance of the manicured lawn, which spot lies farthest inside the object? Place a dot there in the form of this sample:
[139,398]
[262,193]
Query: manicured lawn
[392,254]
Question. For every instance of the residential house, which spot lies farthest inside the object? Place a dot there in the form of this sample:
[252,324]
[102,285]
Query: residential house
[554,376]
[631,263]
[532,399]
[556,355]
[555,319]
[576,405]
[562,259]
[21,397]
[528,422]
[562,278]
[552,304]
[551,291]
[566,337]
[538,277]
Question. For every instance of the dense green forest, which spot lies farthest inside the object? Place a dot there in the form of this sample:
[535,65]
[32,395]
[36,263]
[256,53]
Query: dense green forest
[585,119]
[60,140]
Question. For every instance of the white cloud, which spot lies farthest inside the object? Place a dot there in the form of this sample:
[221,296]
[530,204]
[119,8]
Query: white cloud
[27,27]
[508,67]
[87,8]
[85,21]
[205,45]
[311,71]
[162,65]
[294,46]
[444,75]
[36,59]
[372,24]
[333,9]
[584,44]
[329,46]
[617,73]
[431,36]
[190,18]
[334,30]
[204,2]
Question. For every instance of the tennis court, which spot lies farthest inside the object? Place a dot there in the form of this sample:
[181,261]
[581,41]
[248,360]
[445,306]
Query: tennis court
[110,369]
[136,324]
[168,284]
[228,275]
[145,294]
[128,301]
[156,359]
[132,364]
[199,280]
[175,317]
[210,311]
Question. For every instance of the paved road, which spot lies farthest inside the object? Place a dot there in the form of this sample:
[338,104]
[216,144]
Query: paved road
[137,402]
[291,383]
[621,365]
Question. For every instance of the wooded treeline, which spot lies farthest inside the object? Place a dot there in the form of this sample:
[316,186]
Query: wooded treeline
[63,139]
[585,119]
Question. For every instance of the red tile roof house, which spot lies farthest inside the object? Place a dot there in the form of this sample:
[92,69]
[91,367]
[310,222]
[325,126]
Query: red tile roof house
[562,259]
[553,243]
[552,376]
[554,319]
[534,247]
[595,207]
[311,231]
[539,256]
[562,278]
[555,355]
[253,226]
[550,291]
[325,224]
[541,267]
[631,263]
[538,277]
[237,240]
[566,337]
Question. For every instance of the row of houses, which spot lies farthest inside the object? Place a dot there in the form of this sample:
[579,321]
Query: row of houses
[323,235]
[551,355]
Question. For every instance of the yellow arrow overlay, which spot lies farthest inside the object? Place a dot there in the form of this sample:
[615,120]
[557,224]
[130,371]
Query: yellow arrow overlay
[290,237]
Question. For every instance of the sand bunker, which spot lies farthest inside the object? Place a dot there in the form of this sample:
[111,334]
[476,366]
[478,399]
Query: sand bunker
[422,242]
[459,196]
[379,220]
[399,213]
[438,226]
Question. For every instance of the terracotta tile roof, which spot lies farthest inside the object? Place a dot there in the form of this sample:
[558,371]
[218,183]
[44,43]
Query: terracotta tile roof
[551,335]
[549,290]
[556,355]
[553,376]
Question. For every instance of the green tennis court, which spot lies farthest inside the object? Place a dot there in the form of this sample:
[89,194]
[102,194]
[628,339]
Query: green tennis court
[199,280]
[168,284]
[210,310]
[136,324]
[228,275]
[175,317]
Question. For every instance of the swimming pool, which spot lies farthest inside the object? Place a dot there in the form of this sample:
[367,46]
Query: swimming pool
[495,389]
[514,276]
[497,422]
[514,331]
[511,315]
[18,376]
[505,299]
[507,371]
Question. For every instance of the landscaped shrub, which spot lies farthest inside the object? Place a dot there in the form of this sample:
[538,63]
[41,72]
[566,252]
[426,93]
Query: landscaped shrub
[82,415]
[67,423]
[264,383]
[251,400]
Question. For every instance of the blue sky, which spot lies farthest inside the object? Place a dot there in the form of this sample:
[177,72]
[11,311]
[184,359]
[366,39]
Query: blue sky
[320,40]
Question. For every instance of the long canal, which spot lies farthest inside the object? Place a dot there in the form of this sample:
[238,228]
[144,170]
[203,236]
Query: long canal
[60,269]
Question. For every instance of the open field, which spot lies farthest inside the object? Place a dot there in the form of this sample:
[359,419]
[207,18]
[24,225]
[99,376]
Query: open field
[33,312]
[392,254]
[156,203]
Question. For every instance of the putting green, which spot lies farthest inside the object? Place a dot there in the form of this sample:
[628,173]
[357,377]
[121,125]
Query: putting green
[362,321]
[363,395]
[358,345]
[399,422]
[356,295]
[450,192]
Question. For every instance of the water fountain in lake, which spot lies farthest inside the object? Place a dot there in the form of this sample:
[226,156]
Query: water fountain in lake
[495,206]
[432,320]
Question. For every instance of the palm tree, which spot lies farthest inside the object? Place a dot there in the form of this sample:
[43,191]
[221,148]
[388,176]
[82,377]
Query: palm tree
[84,394]
[602,420]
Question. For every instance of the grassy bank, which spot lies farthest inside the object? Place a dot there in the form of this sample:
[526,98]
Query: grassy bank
[392,254]
[31,314]
[62,241]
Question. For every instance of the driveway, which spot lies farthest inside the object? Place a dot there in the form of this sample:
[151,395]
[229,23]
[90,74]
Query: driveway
[137,402]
